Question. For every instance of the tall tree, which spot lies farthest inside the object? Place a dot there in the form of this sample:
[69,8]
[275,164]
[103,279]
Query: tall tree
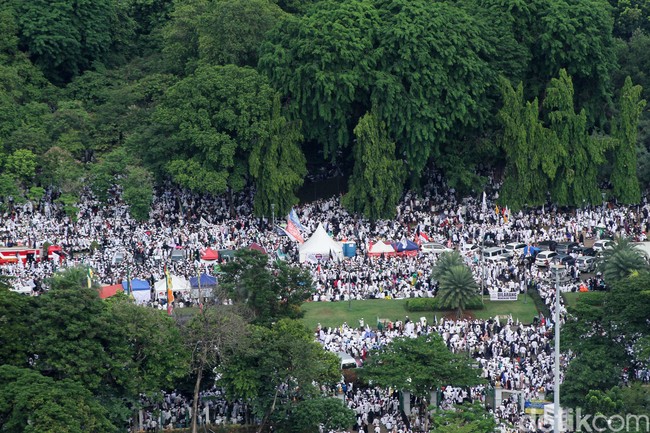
[377,180]
[211,336]
[625,184]
[432,75]
[419,365]
[277,164]
[575,35]
[66,37]
[271,294]
[210,122]
[279,369]
[533,152]
[575,183]
[231,31]
[30,402]
[323,62]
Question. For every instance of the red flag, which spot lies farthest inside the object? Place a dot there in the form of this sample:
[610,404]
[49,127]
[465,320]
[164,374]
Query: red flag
[293,232]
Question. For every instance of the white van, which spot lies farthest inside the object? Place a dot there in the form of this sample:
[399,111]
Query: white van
[495,254]
[347,361]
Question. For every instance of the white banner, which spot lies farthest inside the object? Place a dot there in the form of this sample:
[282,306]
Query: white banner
[504,296]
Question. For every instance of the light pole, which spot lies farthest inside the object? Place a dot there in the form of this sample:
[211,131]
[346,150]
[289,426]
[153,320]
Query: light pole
[557,416]
[482,269]
[273,213]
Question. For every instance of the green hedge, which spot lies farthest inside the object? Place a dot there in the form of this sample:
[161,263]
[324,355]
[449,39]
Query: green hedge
[595,299]
[433,304]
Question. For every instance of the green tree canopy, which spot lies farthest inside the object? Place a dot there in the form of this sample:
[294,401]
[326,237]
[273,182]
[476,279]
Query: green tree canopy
[271,294]
[65,37]
[576,181]
[625,184]
[210,122]
[280,369]
[30,403]
[377,179]
[420,365]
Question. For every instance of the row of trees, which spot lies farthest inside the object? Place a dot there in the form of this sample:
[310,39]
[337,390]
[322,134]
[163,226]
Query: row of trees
[608,335]
[216,95]
[73,362]
[87,361]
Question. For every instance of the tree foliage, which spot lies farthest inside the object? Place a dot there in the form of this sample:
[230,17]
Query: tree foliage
[576,180]
[280,369]
[625,185]
[277,164]
[377,179]
[270,294]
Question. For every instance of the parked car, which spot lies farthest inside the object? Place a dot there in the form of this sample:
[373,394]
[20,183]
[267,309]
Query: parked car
[496,254]
[547,245]
[566,247]
[586,264]
[469,247]
[434,248]
[603,244]
[544,258]
[564,259]
[516,247]
[585,251]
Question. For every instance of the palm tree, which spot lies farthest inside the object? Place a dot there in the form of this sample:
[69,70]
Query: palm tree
[445,261]
[620,261]
[457,288]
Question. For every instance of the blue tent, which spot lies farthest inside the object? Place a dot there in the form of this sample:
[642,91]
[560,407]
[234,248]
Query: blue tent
[136,285]
[206,281]
[405,245]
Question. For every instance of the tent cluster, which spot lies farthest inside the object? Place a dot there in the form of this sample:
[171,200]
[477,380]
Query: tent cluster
[404,248]
[142,292]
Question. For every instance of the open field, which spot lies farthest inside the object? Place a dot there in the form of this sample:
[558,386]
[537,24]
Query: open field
[335,313]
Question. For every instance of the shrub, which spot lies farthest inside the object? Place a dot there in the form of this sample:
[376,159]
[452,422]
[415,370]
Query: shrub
[433,304]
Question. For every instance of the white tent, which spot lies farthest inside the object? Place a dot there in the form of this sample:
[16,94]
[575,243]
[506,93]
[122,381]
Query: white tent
[178,285]
[320,247]
[380,247]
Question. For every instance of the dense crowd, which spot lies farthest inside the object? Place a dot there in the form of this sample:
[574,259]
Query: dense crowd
[512,356]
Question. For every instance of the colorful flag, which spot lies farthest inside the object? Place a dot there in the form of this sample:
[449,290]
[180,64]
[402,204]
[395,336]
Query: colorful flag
[422,237]
[496,210]
[293,217]
[89,277]
[170,293]
[293,232]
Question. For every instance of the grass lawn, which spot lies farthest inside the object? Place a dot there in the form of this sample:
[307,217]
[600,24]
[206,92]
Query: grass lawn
[571,298]
[335,313]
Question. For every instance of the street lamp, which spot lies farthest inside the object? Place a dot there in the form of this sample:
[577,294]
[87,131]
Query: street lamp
[557,416]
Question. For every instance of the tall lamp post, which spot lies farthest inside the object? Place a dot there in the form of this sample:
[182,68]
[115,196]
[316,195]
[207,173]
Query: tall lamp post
[557,417]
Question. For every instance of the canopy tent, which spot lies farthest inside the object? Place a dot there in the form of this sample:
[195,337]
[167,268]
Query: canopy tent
[179,284]
[206,281]
[108,291]
[209,254]
[140,289]
[257,247]
[320,247]
[379,248]
[406,248]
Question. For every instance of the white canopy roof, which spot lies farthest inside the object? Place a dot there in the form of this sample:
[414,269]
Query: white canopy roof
[179,284]
[320,246]
[381,247]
